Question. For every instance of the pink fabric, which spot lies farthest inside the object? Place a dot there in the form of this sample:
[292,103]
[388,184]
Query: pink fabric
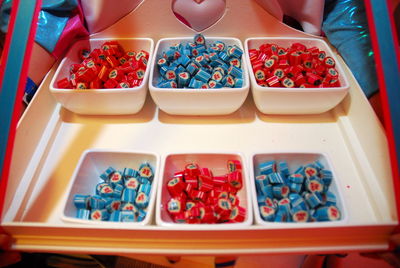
[74,29]
[100,14]
[308,13]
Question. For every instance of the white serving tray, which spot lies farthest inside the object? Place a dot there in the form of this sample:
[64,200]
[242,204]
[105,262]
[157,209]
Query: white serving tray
[50,140]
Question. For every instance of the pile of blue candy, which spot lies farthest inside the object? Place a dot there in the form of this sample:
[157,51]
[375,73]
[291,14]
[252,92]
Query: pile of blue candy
[194,65]
[302,196]
[123,196]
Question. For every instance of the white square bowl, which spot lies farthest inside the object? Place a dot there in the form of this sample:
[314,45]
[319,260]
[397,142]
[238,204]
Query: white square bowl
[105,101]
[282,100]
[217,163]
[186,101]
[87,175]
[294,160]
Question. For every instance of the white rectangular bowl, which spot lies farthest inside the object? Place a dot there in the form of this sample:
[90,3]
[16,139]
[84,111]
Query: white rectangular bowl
[282,100]
[217,163]
[87,175]
[294,160]
[102,101]
[187,101]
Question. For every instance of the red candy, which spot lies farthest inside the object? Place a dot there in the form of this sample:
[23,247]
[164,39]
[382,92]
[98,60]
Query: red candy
[296,66]
[63,83]
[106,67]
[199,197]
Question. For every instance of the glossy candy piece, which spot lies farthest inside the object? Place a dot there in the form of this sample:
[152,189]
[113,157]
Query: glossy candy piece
[116,178]
[145,188]
[83,214]
[127,216]
[97,202]
[175,186]
[107,173]
[146,171]
[142,200]
[132,183]
[238,214]
[174,206]
[115,216]
[300,216]
[106,191]
[128,195]
[114,205]
[99,215]
[267,213]
[128,206]
[63,83]
[81,201]
[328,213]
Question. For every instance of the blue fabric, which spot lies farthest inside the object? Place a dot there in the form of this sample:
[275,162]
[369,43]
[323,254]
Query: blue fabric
[59,5]
[30,90]
[5,11]
[52,20]
[346,27]
[49,30]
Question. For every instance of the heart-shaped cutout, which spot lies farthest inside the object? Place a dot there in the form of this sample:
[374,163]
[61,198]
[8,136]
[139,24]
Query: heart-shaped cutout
[198,14]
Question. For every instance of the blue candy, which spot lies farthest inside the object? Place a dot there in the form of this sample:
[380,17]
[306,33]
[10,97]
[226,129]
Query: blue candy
[194,83]
[275,178]
[83,214]
[118,190]
[224,56]
[235,71]
[267,168]
[267,213]
[203,76]
[267,190]
[127,216]
[130,173]
[235,51]
[239,82]
[81,201]
[115,216]
[97,202]
[106,174]
[142,200]
[128,195]
[145,188]
[99,215]
[313,199]
[141,215]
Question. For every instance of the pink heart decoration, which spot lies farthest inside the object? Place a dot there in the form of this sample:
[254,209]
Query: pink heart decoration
[198,14]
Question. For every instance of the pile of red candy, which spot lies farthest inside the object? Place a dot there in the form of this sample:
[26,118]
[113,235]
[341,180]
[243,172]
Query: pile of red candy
[107,67]
[296,66]
[199,197]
